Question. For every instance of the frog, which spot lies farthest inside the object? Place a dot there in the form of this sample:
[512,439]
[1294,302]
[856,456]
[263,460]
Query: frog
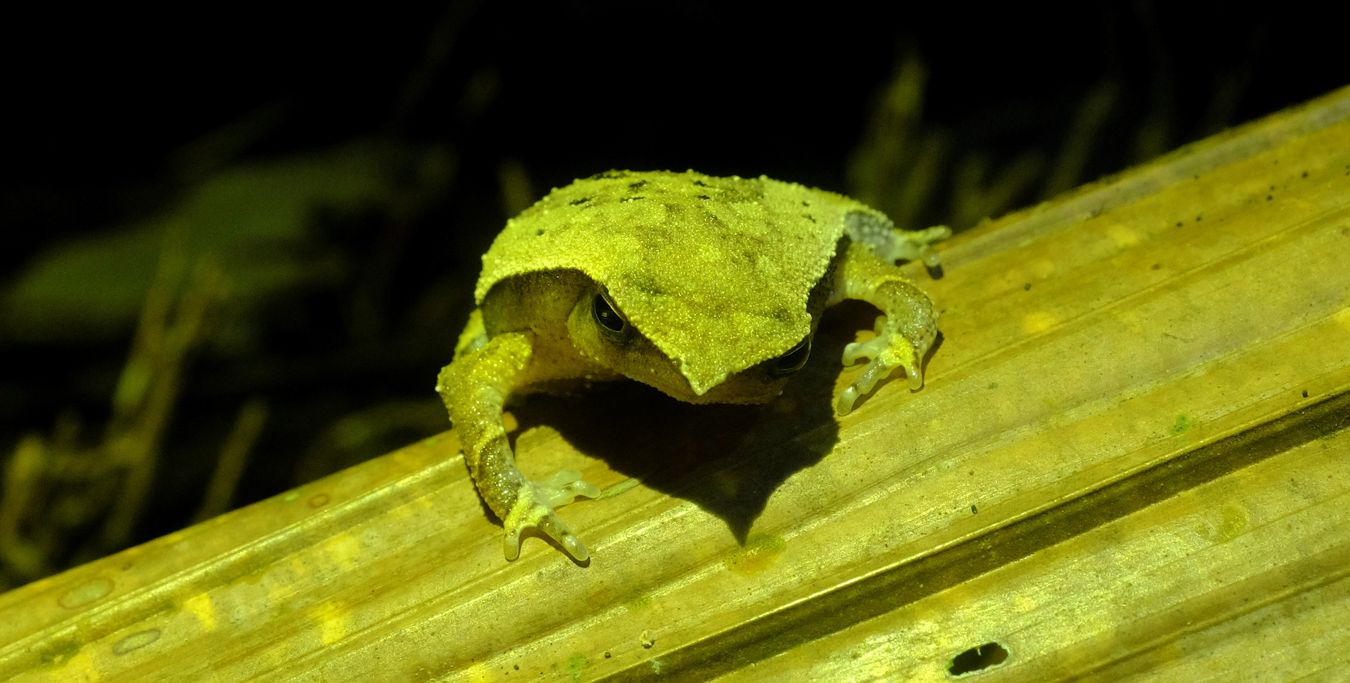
[707,288]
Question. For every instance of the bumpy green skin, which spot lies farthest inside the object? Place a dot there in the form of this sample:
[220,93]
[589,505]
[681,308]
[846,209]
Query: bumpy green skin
[715,278]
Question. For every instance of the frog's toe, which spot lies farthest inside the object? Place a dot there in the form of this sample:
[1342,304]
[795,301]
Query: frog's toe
[541,517]
[534,510]
[564,487]
[875,371]
[913,245]
[884,360]
[856,351]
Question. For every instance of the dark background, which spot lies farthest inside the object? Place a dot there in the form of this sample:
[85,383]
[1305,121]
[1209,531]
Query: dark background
[467,112]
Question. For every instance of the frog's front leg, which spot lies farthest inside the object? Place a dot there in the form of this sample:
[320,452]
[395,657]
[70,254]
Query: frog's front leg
[475,387]
[904,332]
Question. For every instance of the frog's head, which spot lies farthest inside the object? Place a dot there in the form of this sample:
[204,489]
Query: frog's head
[705,288]
[712,365]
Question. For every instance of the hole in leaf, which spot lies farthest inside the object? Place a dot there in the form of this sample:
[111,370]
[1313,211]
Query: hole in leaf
[978,658]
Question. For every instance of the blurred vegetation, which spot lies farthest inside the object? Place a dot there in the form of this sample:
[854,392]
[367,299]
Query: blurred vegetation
[291,280]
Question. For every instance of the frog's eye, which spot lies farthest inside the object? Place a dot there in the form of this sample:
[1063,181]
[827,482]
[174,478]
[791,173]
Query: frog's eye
[793,360]
[612,325]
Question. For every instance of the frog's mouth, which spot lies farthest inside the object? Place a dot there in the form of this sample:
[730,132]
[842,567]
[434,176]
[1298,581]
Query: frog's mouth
[717,395]
[744,388]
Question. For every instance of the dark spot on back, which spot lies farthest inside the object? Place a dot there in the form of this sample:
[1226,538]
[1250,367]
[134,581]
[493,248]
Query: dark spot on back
[703,196]
[700,183]
[809,217]
[630,199]
[579,202]
[637,185]
[607,175]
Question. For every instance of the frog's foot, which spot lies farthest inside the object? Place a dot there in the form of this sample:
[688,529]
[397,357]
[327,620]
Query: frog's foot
[534,510]
[915,245]
[889,350]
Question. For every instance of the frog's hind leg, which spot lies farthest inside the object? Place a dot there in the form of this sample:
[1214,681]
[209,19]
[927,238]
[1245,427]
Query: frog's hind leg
[474,388]
[892,244]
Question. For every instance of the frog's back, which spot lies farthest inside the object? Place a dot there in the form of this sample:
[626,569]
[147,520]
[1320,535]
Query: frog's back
[674,250]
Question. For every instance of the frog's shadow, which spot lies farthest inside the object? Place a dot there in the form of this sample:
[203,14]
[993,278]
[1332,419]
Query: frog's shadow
[727,459]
